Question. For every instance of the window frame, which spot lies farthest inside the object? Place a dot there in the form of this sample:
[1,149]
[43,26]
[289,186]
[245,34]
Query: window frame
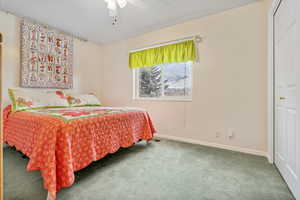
[137,97]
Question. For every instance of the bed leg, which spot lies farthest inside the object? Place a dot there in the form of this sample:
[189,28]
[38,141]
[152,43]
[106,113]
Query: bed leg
[50,196]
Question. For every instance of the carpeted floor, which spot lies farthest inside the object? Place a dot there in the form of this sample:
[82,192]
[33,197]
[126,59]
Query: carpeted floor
[165,170]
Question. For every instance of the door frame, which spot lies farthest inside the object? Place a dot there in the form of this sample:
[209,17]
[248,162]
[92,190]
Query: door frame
[271,80]
[1,119]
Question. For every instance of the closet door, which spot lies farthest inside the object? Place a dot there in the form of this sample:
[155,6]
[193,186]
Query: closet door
[287,101]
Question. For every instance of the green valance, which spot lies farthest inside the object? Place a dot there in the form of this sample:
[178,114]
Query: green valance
[172,53]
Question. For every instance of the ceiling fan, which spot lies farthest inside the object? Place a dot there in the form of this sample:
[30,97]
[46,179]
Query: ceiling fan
[113,6]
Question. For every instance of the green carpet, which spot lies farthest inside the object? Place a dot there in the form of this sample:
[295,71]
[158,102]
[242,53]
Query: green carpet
[165,170]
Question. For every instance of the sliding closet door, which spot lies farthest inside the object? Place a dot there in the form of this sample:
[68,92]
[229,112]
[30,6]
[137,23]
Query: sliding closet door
[287,104]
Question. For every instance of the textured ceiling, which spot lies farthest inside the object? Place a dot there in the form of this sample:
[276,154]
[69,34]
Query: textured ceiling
[89,19]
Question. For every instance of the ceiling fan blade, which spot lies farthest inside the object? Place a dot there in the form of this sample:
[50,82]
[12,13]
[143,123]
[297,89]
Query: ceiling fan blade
[138,3]
[122,3]
[111,4]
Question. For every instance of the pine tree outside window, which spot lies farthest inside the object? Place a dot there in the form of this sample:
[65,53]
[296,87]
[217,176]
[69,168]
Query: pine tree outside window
[164,82]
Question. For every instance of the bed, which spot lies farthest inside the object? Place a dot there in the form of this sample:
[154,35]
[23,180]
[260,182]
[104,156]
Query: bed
[60,141]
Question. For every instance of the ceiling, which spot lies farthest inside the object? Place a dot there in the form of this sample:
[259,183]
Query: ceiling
[89,19]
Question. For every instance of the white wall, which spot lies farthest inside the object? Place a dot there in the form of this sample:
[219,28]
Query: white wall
[87,59]
[230,82]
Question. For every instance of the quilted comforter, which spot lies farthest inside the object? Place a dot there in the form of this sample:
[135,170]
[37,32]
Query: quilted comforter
[59,142]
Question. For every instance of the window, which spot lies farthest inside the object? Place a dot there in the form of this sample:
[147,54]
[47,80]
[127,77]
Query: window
[164,82]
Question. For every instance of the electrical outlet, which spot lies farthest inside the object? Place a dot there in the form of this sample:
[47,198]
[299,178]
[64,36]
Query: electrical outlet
[230,134]
[218,134]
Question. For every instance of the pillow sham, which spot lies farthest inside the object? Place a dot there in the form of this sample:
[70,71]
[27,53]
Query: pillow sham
[28,99]
[77,100]
[54,99]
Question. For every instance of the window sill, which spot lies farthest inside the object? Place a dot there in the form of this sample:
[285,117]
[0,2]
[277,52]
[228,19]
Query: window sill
[163,99]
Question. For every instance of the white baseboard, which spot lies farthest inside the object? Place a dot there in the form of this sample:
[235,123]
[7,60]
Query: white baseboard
[211,144]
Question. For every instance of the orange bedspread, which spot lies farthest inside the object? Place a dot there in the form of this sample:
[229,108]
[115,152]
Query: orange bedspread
[62,141]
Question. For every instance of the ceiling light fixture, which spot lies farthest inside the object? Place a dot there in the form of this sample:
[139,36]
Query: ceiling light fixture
[112,6]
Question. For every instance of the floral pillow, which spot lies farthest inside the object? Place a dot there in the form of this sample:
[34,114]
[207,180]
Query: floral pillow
[55,99]
[78,100]
[28,99]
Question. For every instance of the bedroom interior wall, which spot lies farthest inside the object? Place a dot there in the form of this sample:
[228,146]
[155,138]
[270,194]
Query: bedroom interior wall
[229,83]
[87,60]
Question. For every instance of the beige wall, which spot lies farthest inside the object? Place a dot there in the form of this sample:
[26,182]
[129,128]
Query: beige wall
[229,86]
[230,82]
[87,59]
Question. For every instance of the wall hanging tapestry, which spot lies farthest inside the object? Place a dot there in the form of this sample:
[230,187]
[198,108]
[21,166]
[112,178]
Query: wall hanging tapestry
[46,57]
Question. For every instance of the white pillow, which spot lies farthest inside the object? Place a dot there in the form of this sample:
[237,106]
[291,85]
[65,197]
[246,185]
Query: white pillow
[29,99]
[77,100]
